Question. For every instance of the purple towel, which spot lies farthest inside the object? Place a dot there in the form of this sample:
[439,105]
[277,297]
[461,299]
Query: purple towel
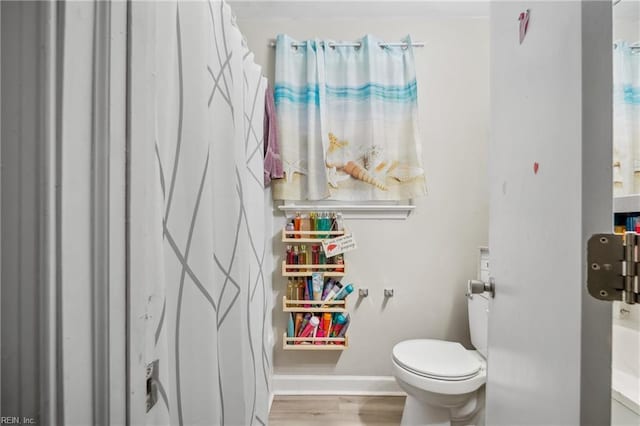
[272,161]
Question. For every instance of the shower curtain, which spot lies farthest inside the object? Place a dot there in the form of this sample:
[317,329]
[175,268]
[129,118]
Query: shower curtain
[626,119]
[348,121]
[208,318]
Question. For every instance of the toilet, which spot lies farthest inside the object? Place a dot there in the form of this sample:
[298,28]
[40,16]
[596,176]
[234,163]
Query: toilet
[443,380]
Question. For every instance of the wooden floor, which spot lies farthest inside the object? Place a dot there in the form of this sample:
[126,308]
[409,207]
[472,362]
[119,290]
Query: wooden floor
[336,410]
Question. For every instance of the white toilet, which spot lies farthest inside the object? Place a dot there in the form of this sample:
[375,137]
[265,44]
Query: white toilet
[443,380]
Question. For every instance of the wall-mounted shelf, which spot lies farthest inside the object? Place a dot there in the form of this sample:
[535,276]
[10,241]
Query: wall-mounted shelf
[294,306]
[311,343]
[381,210]
[307,270]
[299,306]
[310,236]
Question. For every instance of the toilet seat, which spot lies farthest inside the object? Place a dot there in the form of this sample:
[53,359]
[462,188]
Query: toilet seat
[436,359]
[439,366]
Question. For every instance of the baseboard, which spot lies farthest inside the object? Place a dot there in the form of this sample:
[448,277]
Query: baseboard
[293,384]
[271,396]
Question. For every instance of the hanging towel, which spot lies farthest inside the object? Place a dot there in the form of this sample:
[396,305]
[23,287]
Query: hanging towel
[272,161]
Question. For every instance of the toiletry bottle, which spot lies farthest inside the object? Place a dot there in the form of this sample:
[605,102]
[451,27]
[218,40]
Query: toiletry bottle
[300,285]
[339,260]
[297,222]
[310,328]
[334,223]
[312,223]
[310,287]
[326,324]
[344,328]
[326,224]
[332,293]
[322,258]
[290,326]
[330,261]
[289,257]
[320,331]
[346,290]
[305,225]
[297,323]
[295,257]
[305,321]
[290,289]
[319,223]
[340,321]
[289,228]
[317,280]
[327,288]
[302,256]
[315,255]
[308,295]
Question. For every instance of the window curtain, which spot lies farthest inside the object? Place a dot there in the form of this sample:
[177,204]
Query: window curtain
[348,121]
[626,119]
[207,300]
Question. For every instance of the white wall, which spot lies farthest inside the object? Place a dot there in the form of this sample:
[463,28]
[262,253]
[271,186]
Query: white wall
[428,258]
[626,21]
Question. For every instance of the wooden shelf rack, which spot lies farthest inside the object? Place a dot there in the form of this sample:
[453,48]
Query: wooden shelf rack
[304,306]
[307,270]
[310,236]
[309,343]
[299,306]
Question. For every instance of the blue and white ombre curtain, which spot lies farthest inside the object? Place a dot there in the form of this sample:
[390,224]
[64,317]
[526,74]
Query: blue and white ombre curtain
[626,119]
[348,119]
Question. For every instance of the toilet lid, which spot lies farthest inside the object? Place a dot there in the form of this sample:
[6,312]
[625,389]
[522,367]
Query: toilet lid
[436,359]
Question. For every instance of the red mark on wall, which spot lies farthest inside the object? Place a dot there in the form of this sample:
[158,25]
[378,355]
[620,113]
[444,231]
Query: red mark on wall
[524,24]
[536,166]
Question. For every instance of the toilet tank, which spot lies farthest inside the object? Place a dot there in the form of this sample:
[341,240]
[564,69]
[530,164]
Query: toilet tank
[478,306]
[479,321]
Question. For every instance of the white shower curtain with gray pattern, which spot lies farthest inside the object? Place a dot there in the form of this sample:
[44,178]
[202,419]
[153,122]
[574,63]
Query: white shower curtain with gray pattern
[208,309]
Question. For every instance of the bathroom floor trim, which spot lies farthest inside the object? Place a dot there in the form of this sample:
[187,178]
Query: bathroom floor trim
[294,384]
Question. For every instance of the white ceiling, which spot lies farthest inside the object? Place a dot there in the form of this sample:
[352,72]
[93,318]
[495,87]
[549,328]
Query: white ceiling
[301,9]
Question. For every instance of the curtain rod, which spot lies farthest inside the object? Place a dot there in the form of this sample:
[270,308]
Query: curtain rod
[400,44]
